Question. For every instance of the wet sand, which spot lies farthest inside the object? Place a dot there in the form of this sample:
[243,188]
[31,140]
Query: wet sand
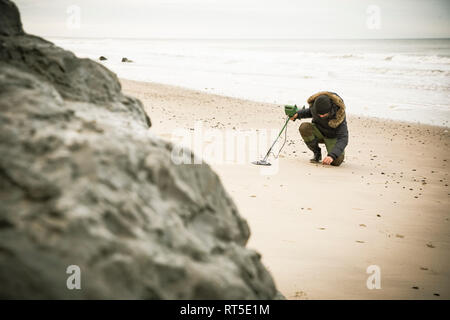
[319,227]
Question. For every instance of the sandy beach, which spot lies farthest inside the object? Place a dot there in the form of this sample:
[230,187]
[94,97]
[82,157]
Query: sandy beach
[318,228]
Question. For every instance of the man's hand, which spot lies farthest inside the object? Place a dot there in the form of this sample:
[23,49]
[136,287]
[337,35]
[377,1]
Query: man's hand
[294,117]
[327,160]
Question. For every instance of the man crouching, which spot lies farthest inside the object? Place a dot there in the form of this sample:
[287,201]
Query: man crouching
[328,126]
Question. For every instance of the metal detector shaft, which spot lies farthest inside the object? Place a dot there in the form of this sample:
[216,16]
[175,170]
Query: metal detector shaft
[273,144]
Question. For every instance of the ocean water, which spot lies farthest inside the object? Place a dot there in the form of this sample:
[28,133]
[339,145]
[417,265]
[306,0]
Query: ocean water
[395,79]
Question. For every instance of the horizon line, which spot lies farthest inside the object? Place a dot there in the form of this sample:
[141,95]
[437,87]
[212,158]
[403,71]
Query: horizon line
[256,38]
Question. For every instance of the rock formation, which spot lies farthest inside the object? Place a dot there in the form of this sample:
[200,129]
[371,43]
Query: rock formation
[84,182]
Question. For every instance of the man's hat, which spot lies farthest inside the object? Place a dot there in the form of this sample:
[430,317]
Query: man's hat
[322,104]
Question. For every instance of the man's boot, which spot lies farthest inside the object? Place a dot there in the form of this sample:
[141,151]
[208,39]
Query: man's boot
[314,147]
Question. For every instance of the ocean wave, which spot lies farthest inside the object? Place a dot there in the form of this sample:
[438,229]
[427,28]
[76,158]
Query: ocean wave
[349,56]
[411,71]
[434,59]
[267,73]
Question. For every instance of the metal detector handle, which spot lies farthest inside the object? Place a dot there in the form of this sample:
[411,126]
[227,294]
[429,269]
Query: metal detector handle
[281,131]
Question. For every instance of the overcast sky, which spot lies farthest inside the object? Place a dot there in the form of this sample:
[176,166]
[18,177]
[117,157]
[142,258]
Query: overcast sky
[237,18]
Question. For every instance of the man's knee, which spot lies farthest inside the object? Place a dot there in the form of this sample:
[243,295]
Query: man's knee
[306,130]
[338,160]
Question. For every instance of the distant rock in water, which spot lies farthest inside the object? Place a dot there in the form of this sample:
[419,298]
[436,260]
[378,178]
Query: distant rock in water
[102,58]
[84,184]
[126,60]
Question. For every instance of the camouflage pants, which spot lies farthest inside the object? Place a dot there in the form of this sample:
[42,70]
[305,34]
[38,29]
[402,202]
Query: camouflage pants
[309,133]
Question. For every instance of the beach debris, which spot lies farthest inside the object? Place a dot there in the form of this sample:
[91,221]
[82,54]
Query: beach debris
[300,295]
[125,59]
[102,58]
[415,287]
[399,236]
[430,245]
[360,241]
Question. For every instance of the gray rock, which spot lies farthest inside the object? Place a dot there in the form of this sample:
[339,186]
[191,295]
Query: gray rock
[84,182]
[75,79]
[279,296]
[10,23]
